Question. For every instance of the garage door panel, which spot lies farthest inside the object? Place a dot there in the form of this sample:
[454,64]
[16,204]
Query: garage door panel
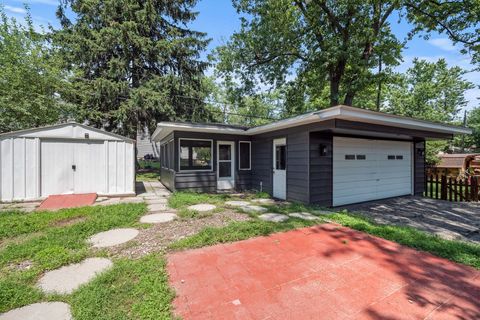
[376,177]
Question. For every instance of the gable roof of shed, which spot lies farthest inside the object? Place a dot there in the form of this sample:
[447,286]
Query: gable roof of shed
[25,132]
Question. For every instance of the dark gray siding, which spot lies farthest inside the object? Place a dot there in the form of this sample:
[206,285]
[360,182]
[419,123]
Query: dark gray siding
[206,181]
[262,154]
[167,177]
[297,167]
[321,182]
[419,168]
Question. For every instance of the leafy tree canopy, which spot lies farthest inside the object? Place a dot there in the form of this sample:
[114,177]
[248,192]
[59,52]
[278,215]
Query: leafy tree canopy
[133,61]
[319,49]
[30,78]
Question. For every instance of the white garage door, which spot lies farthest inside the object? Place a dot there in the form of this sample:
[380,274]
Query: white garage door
[72,167]
[365,170]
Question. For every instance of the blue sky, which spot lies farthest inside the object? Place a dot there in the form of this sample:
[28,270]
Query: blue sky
[219,20]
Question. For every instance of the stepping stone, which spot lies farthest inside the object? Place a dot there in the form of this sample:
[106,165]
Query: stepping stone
[67,279]
[303,215]
[157,201]
[253,209]
[158,217]
[237,203]
[157,207]
[264,201]
[40,311]
[202,207]
[273,217]
[112,237]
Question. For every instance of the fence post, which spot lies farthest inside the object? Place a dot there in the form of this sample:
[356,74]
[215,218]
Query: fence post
[475,188]
[436,187]
[443,188]
[461,189]
[467,192]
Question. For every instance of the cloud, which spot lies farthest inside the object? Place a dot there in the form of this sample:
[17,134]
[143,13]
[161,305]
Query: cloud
[12,9]
[442,43]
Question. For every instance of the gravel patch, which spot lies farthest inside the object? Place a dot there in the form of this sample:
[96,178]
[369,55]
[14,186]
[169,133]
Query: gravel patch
[40,311]
[68,278]
[159,236]
[112,237]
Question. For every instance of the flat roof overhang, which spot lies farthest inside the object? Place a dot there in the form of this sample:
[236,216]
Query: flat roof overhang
[349,114]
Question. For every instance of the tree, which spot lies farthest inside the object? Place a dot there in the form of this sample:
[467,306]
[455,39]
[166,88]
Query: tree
[430,91]
[332,44]
[473,121]
[30,77]
[134,62]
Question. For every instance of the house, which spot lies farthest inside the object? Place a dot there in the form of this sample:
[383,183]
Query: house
[145,146]
[330,157]
[65,158]
[456,164]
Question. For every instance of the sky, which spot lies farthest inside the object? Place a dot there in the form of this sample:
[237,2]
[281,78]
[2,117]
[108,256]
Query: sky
[219,20]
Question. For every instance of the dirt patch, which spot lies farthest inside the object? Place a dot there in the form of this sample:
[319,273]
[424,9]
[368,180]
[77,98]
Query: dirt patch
[68,221]
[21,266]
[159,236]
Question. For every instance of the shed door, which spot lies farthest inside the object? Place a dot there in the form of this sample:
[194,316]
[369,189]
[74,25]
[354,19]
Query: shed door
[72,167]
[365,170]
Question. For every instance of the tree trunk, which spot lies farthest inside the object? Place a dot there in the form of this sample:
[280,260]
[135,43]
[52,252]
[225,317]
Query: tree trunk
[348,101]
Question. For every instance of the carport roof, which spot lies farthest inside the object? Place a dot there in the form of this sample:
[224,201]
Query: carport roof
[337,112]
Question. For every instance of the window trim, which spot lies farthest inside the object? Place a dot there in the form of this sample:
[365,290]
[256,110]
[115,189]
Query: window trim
[250,156]
[164,155]
[195,170]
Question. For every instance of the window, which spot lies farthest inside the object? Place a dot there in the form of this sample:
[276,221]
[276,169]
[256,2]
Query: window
[349,157]
[399,157]
[391,157]
[195,154]
[244,156]
[280,157]
[361,157]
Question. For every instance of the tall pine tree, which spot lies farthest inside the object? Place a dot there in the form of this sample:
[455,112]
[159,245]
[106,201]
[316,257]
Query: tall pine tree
[132,61]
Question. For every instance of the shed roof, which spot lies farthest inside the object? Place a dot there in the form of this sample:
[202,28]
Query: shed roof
[455,160]
[69,130]
[337,112]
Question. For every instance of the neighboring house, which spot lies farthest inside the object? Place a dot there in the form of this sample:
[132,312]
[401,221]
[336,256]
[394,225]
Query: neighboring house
[330,157]
[145,145]
[65,158]
[454,165]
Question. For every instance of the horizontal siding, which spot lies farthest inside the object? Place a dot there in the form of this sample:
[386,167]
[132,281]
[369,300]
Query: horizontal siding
[196,181]
[167,177]
[419,169]
[321,169]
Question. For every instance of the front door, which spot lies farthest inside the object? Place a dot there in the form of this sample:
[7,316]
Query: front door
[225,165]
[280,168]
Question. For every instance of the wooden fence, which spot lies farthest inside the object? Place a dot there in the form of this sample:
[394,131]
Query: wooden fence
[451,189]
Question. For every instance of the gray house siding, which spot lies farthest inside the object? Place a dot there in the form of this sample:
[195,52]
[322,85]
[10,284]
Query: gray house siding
[298,167]
[419,167]
[321,180]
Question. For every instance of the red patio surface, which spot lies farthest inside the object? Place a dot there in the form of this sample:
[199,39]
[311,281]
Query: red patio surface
[62,201]
[323,272]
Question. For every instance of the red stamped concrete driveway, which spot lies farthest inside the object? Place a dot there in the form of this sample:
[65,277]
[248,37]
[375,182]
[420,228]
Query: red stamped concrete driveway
[323,272]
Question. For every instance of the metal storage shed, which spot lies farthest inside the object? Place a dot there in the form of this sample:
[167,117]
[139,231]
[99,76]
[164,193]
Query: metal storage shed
[65,158]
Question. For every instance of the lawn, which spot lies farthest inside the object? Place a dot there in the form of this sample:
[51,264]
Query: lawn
[148,170]
[32,243]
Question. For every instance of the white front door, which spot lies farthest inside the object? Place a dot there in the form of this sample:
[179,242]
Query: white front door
[72,167]
[280,168]
[225,165]
[365,170]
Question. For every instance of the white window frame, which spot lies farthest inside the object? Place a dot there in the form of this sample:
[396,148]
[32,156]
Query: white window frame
[250,156]
[197,170]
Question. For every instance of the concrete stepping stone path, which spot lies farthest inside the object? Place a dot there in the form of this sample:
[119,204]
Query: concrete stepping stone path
[264,201]
[237,203]
[112,237]
[303,215]
[158,217]
[254,209]
[202,207]
[157,207]
[273,217]
[40,311]
[67,279]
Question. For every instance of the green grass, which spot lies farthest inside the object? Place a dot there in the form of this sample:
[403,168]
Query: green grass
[36,237]
[132,289]
[458,251]
[144,164]
[148,176]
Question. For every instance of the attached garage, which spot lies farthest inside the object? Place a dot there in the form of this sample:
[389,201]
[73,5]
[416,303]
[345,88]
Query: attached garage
[365,169]
[65,159]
